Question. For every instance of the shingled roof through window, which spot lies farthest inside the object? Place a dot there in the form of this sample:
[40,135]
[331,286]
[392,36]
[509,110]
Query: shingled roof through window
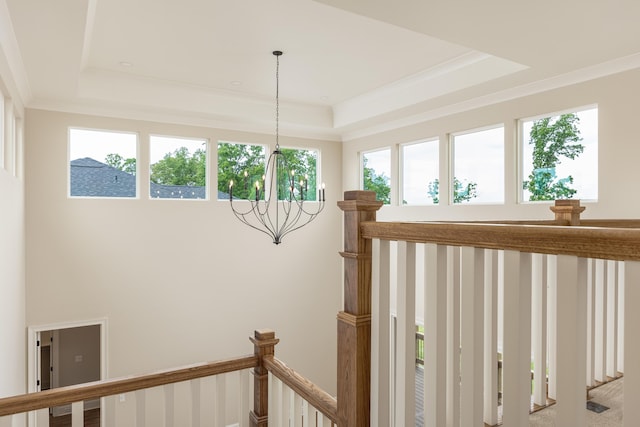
[91,178]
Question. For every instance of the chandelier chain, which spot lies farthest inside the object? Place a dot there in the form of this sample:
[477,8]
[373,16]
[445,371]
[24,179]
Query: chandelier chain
[277,101]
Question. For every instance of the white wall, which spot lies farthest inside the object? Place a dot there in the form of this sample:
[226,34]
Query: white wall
[619,150]
[179,281]
[12,294]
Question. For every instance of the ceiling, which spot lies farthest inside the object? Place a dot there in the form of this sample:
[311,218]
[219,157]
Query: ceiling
[350,67]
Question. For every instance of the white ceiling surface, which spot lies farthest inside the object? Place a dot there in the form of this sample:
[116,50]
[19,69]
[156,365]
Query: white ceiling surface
[349,66]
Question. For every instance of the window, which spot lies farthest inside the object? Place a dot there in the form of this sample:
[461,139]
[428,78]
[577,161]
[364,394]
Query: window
[178,168]
[478,167]
[560,156]
[242,164]
[376,170]
[420,171]
[303,164]
[102,163]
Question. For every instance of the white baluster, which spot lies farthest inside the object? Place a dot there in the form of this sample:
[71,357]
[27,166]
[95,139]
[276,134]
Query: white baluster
[220,402]
[297,410]
[472,337]
[601,321]
[539,327]
[286,406]
[77,414]
[195,402]
[552,324]
[169,405]
[406,338]
[572,340]
[621,304]
[453,336]
[243,398]
[42,417]
[275,401]
[141,408]
[631,399]
[109,410]
[612,319]
[490,338]
[6,421]
[380,333]
[435,337]
[591,322]
[517,339]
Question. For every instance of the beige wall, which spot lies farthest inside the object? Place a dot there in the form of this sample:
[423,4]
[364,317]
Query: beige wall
[178,281]
[619,150]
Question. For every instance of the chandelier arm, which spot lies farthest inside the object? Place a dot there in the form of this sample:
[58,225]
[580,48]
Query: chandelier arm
[318,210]
[289,224]
[299,226]
[266,231]
[265,219]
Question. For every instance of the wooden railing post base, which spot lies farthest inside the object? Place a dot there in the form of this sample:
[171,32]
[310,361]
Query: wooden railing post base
[256,421]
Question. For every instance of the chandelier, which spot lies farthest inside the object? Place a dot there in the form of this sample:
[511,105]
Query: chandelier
[279,204]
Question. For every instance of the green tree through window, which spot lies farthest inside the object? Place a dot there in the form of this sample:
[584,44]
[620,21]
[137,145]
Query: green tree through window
[462,191]
[244,164]
[378,183]
[117,161]
[553,138]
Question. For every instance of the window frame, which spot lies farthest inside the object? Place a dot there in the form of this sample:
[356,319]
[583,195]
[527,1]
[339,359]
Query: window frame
[375,150]
[401,169]
[267,151]
[207,165]
[93,129]
[452,165]
[520,151]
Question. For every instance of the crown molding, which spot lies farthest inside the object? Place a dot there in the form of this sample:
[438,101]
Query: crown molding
[187,118]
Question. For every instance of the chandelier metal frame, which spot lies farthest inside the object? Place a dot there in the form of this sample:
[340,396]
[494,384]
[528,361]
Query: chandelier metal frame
[278,208]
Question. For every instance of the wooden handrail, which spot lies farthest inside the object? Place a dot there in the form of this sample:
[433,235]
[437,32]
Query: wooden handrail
[64,395]
[620,243]
[315,396]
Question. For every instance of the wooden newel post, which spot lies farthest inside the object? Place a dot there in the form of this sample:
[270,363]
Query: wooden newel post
[264,342]
[354,323]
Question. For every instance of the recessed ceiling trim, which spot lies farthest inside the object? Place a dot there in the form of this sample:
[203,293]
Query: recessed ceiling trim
[460,73]
[589,73]
[12,67]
